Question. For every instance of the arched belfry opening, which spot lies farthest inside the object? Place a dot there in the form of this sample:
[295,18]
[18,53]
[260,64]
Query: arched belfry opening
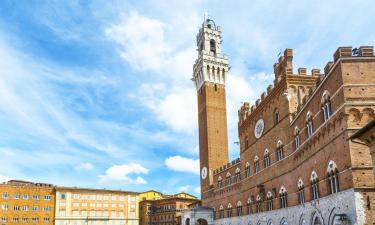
[201,222]
[213,47]
[187,221]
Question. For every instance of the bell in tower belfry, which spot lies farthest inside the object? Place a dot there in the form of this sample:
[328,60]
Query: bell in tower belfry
[209,75]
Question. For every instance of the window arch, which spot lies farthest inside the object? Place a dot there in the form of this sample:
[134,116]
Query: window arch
[267,158]
[256,164]
[279,150]
[326,105]
[228,179]
[238,175]
[259,204]
[283,197]
[269,198]
[301,191]
[314,185]
[229,210]
[247,169]
[239,208]
[296,138]
[333,180]
[219,182]
[309,124]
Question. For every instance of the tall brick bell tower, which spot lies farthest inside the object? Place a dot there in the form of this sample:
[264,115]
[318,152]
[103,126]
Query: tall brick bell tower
[209,76]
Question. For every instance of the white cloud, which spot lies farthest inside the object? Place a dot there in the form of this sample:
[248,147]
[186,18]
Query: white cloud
[3,178]
[182,164]
[197,189]
[142,41]
[85,166]
[149,44]
[121,174]
[183,188]
[177,109]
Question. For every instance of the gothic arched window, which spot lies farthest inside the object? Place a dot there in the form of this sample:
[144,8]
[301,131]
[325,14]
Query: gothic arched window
[283,197]
[326,106]
[221,212]
[247,169]
[333,180]
[301,191]
[269,201]
[239,208]
[267,158]
[228,179]
[309,125]
[229,210]
[297,142]
[314,185]
[219,182]
[238,175]
[250,202]
[256,164]
[279,151]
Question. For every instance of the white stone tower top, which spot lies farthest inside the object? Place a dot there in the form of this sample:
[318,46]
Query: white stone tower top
[211,65]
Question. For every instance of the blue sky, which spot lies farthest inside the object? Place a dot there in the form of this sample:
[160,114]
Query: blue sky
[98,93]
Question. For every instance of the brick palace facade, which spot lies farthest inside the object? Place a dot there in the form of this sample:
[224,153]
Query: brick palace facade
[297,163]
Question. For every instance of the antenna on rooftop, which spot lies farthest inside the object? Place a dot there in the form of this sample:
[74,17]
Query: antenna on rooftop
[206,15]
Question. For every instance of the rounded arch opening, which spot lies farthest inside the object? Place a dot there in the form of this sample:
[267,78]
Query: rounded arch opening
[201,222]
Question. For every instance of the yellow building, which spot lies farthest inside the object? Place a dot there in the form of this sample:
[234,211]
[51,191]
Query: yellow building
[25,202]
[156,208]
[85,206]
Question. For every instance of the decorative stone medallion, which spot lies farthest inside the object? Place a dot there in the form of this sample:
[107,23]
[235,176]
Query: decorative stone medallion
[259,128]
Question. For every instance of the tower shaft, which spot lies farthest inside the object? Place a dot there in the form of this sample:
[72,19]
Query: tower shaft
[210,70]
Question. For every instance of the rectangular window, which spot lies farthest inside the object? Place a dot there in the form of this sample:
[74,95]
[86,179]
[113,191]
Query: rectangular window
[4,219]
[76,196]
[47,209]
[62,196]
[35,219]
[25,196]
[114,197]
[47,197]
[36,197]
[105,197]
[16,220]
[16,196]
[16,208]
[35,208]
[122,197]
[25,208]
[46,219]
[25,219]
